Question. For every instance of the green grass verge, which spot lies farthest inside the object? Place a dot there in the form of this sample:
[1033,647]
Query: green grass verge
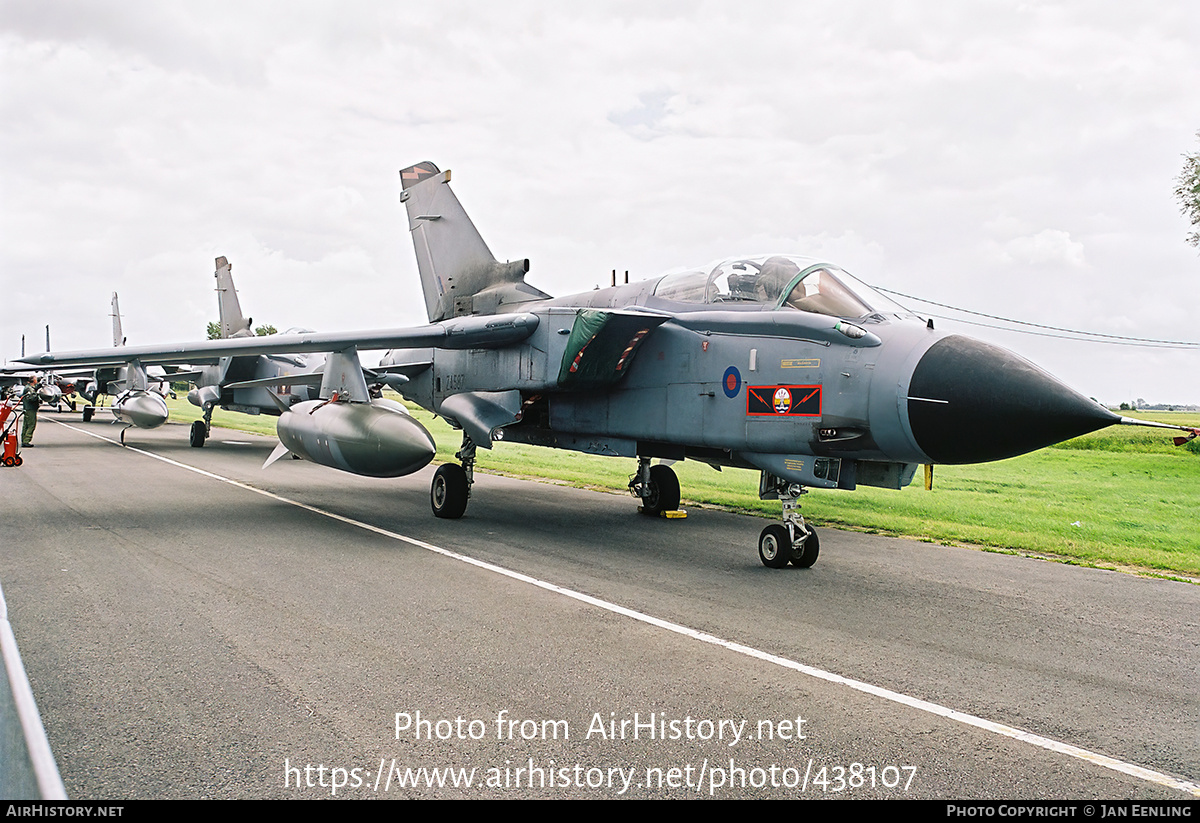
[1121,497]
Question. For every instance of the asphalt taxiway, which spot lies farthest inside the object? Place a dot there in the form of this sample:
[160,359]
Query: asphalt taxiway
[194,626]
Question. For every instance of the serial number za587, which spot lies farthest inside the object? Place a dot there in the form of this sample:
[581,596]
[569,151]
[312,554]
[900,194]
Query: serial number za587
[834,779]
[451,383]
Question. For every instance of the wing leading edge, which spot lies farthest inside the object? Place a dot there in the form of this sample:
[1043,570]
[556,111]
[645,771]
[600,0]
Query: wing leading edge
[459,333]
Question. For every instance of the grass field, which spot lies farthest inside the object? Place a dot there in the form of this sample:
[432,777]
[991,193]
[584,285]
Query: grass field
[1121,497]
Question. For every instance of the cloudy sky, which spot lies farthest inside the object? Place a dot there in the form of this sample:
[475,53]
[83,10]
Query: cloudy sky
[1015,159]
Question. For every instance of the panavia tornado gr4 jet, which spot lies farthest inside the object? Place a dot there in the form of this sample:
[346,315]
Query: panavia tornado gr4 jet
[138,392]
[252,383]
[778,363]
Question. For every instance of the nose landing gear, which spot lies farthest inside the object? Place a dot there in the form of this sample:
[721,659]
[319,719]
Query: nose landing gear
[792,541]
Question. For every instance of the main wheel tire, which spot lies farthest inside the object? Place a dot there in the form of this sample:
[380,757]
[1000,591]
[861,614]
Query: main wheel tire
[198,434]
[775,546]
[8,461]
[805,554]
[664,491]
[88,411]
[18,460]
[448,492]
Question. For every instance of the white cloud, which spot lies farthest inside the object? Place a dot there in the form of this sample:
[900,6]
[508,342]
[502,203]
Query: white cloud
[940,148]
[1049,247]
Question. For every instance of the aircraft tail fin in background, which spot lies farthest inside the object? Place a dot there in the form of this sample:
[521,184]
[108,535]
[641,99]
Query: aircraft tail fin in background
[233,323]
[459,274]
[118,336]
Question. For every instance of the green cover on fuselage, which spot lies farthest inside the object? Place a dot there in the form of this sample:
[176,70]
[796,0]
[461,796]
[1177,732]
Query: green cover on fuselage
[601,347]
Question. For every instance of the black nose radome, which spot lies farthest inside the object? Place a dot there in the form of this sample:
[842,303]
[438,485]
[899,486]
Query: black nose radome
[969,402]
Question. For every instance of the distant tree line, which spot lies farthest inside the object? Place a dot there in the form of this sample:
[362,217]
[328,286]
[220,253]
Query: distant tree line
[1188,192]
[214,330]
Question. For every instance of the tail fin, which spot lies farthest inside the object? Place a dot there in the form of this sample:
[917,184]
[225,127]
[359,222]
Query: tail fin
[233,324]
[118,336]
[459,275]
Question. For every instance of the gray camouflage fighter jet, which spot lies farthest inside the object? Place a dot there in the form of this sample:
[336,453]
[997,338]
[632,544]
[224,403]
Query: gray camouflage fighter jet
[251,383]
[138,391]
[778,363]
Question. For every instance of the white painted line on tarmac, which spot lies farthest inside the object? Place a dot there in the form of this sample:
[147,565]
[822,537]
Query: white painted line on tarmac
[1149,775]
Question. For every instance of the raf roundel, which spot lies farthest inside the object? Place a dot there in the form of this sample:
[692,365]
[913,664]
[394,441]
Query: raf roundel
[732,382]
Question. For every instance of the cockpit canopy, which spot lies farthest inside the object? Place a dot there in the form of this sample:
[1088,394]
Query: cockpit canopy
[780,282]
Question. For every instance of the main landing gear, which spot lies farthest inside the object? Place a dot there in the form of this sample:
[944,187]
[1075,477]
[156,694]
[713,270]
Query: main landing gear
[792,541]
[198,434]
[201,428]
[656,486]
[451,487]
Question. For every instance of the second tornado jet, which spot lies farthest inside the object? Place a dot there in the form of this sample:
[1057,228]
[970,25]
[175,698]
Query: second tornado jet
[378,438]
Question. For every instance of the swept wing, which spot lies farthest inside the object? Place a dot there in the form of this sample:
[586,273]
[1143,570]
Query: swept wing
[459,333]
